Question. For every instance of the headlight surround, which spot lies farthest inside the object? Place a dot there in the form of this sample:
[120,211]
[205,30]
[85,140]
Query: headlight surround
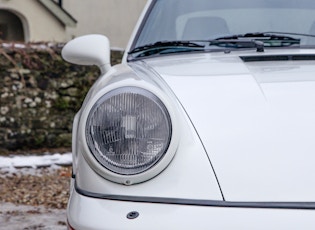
[128,130]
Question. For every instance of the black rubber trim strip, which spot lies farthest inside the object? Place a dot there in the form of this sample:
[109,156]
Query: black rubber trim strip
[197,202]
[289,57]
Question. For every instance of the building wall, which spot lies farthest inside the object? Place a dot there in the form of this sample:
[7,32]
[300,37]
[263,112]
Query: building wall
[113,18]
[38,23]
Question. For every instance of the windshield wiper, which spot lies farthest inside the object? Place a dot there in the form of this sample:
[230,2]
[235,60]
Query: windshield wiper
[271,39]
[257,40]
[285,34]
[166,47]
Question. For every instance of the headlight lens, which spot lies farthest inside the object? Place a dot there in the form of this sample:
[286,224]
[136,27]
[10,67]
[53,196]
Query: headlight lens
[128,130]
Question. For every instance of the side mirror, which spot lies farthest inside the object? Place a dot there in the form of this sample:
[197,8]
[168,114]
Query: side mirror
[91,49]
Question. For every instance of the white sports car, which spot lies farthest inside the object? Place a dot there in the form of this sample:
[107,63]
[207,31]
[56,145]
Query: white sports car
[208,123]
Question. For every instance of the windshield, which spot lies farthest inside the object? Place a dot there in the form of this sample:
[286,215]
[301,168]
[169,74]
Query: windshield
[197,20]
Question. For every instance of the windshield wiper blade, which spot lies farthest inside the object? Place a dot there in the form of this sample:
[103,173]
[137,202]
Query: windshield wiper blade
[158,47]
[287,33]
[269,38]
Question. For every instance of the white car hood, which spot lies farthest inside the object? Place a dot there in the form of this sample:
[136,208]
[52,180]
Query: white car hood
[256,120]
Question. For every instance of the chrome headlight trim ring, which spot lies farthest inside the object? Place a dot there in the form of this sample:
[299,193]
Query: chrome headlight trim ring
[165,152]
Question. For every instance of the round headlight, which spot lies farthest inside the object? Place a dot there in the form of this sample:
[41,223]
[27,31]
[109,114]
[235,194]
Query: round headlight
[128,130]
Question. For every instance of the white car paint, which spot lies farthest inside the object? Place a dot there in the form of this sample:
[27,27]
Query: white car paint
[257,120]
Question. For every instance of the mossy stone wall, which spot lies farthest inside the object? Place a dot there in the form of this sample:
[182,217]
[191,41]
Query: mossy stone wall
[39,95]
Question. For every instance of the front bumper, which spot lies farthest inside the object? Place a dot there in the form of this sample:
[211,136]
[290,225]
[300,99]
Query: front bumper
[94,213]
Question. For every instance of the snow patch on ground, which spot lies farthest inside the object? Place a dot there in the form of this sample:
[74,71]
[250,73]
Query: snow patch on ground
[29,164]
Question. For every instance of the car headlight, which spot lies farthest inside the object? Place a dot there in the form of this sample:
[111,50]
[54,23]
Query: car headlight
[128,130]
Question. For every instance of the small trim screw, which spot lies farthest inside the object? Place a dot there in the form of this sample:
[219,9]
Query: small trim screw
[132,215]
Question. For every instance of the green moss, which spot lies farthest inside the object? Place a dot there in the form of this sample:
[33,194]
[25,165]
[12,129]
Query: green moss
[61,104]
[39,140]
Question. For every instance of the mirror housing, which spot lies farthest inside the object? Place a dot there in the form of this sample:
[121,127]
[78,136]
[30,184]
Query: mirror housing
[91,49]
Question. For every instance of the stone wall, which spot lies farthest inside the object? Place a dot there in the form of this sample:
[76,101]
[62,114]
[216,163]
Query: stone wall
[39,96]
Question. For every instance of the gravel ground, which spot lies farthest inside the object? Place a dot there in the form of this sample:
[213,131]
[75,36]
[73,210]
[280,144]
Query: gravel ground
[17,217]
[34,198]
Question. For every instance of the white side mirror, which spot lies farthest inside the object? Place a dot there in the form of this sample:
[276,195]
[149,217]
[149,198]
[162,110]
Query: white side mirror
[91,49]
